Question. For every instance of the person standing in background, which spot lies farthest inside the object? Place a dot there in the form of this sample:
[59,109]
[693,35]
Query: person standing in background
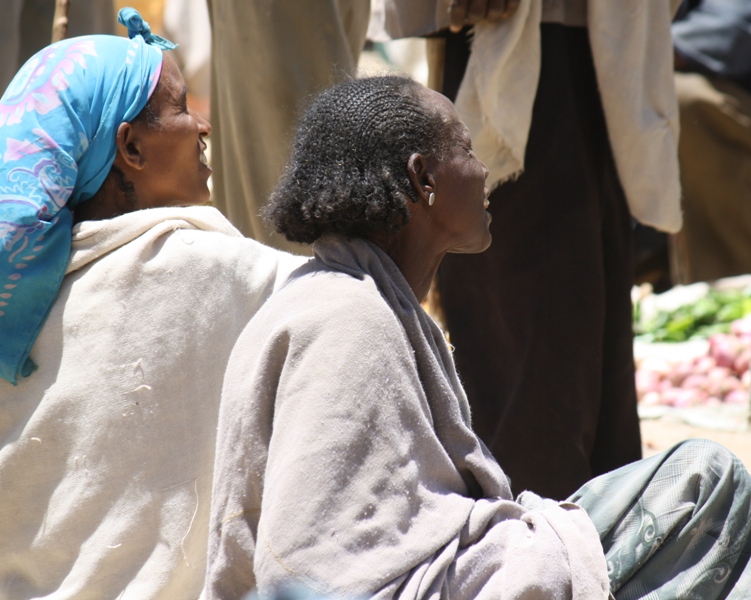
[541,322]
[268,57]
[26,27]
[712,41]
[187,22]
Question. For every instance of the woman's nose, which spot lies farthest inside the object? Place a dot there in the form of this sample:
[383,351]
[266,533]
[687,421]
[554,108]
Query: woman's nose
[204,127]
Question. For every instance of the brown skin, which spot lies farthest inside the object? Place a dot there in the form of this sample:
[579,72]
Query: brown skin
[469,12]
[457,221]
[163,162]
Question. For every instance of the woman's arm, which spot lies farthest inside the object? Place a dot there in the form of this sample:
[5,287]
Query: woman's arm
[330,473]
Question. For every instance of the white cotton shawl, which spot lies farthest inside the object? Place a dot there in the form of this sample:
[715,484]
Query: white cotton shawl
[346,460]
[633,58]
[106,451]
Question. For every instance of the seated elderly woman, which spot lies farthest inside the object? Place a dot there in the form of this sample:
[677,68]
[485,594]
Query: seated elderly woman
[116,331]
[346,461]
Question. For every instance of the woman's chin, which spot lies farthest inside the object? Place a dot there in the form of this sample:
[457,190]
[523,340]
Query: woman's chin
[485,245]
[202,197]
[475,247]
[488,242]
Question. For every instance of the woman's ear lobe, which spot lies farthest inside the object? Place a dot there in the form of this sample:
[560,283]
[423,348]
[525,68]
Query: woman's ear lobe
[128,144]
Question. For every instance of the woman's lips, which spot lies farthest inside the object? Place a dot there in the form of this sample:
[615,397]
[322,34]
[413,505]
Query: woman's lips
[204,162]
[202,153]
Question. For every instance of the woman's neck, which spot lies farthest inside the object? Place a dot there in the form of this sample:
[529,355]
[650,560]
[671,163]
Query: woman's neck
[416,259]
[111,200]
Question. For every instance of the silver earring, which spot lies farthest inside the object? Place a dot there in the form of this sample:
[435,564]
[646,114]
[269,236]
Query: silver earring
[431,198]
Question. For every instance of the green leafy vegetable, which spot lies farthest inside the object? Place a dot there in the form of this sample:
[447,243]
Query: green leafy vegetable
[709,315]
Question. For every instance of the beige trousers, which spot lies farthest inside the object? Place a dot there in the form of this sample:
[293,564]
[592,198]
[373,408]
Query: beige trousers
[268,58]
[715,159]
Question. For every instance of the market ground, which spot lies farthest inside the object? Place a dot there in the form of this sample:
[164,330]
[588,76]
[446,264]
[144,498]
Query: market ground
[660,434]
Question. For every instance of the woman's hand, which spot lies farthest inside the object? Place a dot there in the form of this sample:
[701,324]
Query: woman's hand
[469,12]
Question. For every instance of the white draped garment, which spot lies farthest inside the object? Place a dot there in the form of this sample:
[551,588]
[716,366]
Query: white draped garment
[106,451]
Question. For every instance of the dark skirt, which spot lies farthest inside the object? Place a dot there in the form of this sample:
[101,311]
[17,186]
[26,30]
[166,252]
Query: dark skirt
[541,321]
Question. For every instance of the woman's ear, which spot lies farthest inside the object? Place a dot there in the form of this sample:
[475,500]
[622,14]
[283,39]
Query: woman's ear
[129,148]
[420,173]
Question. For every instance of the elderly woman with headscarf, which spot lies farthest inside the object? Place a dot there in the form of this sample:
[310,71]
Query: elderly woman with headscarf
[116,330]
[346,460]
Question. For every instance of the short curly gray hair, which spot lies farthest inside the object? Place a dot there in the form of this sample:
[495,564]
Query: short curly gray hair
[348,170]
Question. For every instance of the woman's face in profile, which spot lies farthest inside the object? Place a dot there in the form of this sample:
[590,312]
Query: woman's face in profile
[177,173]
[458,213]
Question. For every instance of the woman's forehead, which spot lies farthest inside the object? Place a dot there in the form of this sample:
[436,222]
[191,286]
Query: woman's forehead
[171,82]
[444,108]
[439,102]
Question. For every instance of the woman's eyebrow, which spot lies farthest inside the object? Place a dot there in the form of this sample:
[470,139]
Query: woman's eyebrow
[464,137]
[182,99]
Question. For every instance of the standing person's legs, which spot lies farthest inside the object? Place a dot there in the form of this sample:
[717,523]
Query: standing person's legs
[715,157]
[10,42]
[617,438]
[268,58]
[95,16]
[26,28]
[84,18]
[675,525]
[538,345]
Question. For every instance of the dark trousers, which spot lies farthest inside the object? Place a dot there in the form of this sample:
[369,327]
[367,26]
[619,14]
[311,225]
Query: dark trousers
[541,321]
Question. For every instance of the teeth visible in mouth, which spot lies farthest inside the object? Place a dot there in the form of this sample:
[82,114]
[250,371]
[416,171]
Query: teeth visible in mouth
[486,203]
[203,159]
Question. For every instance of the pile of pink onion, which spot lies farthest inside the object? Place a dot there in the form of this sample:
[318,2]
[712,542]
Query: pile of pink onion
[722,375]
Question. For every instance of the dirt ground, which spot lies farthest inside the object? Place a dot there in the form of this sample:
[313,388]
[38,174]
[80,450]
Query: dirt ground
[660,434]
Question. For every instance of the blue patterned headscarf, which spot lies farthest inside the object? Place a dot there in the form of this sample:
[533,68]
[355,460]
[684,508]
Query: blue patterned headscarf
[58,120]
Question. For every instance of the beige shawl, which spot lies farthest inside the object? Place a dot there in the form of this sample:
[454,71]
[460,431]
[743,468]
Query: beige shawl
[106,451]
[633,56]
[346,461]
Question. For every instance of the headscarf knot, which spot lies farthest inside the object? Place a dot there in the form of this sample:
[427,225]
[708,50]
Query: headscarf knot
[130,18]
